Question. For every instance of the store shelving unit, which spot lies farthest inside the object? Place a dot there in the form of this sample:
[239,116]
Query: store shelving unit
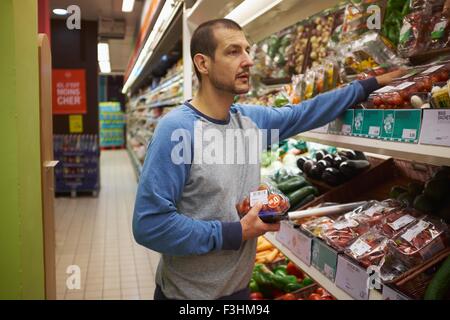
[323,281]
[135,161]
[421,153]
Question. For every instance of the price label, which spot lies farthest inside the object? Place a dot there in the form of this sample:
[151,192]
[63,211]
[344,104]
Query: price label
[409,134]
[404,85]
[401,222]
[345,224]
[258,196]
[374,131]
[432,69]
[414,231]
[346,129]
[359,247]
[384,89]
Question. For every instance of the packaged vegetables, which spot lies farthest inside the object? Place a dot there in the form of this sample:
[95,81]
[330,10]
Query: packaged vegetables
[343,233]
[369,249]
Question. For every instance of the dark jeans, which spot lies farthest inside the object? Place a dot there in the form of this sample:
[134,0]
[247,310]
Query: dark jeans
[240,295]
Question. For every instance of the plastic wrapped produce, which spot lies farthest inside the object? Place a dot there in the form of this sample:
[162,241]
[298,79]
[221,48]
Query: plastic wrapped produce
[273,200]
[420,241]
[369,249]
[413,39]
[396,221]
[343,232]
[318,226]
[372,212]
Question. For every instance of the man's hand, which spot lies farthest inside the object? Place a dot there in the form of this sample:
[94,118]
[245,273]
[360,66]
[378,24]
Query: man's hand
[387,78]
[253,226]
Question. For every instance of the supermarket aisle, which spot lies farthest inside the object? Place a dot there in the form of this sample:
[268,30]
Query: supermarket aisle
[95,234]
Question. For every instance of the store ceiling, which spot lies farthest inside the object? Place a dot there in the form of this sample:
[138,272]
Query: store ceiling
[120,49]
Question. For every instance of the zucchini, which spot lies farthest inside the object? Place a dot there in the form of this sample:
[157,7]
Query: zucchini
[292,184]
[351,168]
[297,196]
[440,284]
[306,200]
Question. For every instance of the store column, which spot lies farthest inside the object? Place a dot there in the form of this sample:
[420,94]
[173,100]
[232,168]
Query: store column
[21,237]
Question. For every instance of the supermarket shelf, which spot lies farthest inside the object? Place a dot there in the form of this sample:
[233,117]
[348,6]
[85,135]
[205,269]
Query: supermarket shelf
[136,163]
[166,84]
[434,155]
[326,283]
[167,102]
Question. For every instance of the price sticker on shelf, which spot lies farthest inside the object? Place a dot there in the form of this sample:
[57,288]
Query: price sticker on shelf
[401,222]
[346,129]
[258,196]
[432,69]
[409,134]
[374,131]
[359,248]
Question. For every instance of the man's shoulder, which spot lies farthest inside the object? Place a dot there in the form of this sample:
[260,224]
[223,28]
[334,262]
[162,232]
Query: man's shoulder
[178,118]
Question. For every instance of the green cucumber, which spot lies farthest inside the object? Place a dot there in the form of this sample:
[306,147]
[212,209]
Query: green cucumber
[306,200]
[296,197]
[292,184]
[440,284]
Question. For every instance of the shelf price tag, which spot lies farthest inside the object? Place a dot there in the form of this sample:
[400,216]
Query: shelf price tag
[352,278]
[374,131]
[436,127]
[346,129]
[409,134]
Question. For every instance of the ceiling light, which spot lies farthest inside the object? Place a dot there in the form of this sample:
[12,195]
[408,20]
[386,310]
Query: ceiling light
[249,10]
[60,12]
[105,66]
[103,51]
[127,5]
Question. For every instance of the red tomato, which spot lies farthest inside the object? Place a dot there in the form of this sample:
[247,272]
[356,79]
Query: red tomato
[263,187]
[314,296]
[256,296]
[443,76]
[320,291]
[292,270]
[377,101]
[277,293]
[288,296]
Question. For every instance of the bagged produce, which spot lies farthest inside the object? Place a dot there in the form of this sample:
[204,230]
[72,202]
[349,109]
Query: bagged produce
[369,249]
[318,226]
[297,55]
[372,212]
[439,31]
[273,200]
[397,221]
[413,38]
[343,233]
[420,241]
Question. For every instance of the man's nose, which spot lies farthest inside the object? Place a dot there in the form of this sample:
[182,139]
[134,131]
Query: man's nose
[248,61]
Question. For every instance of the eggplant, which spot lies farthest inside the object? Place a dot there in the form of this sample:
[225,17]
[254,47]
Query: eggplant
[323,164]
[349,154]
[351,168]
[330,159]
[320,154]
[307,166]
[360,155]
[316,172]
[338,160]
[332,176]
[301,161]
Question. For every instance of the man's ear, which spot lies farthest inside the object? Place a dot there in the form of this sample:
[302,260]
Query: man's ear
[202,63]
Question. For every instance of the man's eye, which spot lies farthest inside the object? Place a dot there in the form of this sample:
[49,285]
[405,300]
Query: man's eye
[234,52]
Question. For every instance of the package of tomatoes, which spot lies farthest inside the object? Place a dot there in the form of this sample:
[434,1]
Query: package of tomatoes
[369,249]
[343,232]
[420,241]
[413,34]
[432,75]
[373,212]
[275,203]
[397,220]
[318,225]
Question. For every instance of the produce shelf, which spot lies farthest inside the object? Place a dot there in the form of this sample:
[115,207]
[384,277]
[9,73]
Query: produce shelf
[326,283]
[421,153]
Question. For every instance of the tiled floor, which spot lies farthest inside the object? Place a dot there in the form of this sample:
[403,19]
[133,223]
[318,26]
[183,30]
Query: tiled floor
[95,234]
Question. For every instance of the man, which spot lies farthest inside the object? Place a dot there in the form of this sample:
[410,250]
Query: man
[187,209]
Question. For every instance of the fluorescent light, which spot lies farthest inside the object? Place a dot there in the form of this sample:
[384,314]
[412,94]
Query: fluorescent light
[103,51]
[165,17]
[127,5]
[105,66]
[249,10]
[60,12]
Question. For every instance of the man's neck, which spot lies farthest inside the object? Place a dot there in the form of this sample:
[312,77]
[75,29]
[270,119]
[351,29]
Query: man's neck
[212,102]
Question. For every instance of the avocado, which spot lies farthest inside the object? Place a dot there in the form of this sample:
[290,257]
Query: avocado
[436,189]
[406,198]
[439,285]
[396,191]
[423,204]
[415,188]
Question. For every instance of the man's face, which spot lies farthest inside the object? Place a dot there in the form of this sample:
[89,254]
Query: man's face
[230,68]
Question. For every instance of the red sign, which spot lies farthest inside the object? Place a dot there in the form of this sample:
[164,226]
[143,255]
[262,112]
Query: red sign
[69,91]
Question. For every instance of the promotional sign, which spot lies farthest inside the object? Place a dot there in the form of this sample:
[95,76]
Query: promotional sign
[69,91]
[76,123]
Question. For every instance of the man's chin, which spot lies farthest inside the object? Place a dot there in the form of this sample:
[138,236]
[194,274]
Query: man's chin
[241,90]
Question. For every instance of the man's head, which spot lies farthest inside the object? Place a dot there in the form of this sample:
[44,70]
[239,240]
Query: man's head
[220,53]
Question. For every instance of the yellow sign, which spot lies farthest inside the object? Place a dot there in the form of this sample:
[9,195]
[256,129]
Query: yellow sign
[76,123]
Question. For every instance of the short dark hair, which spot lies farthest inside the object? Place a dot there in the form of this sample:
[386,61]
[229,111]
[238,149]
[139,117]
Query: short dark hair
[203,40]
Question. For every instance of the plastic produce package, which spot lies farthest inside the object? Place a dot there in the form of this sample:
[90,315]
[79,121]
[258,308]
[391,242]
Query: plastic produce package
[275,203]
[372,212]
[397,221]
[413,35]
[420,241]
[439,31]
[343,232]
[318,226]
[369,249]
